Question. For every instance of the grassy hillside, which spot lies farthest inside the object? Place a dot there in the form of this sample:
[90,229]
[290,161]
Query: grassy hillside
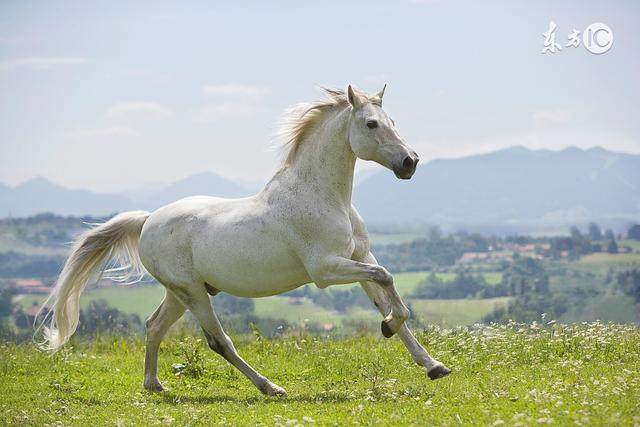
[144,298]
[454,312]
[599,263]
[585,374]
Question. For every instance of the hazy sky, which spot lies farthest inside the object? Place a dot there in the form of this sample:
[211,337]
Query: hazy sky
[112,96]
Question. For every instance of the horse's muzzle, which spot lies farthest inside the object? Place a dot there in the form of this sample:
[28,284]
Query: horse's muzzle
[407,168]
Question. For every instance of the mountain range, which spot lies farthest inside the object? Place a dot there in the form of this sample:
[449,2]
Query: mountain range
[511,187]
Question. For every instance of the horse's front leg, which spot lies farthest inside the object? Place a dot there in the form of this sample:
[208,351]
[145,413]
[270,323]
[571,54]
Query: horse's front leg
[336,270]
[376,294]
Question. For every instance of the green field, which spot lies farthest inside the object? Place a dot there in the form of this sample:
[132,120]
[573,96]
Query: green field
[449,313]
[393,238]
[633,244]
[600,263]
[284,308]
[142,299]
[587,374]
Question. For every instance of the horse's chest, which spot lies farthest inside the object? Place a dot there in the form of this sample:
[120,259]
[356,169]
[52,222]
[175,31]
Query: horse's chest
[336,235]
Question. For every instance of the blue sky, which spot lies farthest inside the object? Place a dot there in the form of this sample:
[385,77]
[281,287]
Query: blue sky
[113,96]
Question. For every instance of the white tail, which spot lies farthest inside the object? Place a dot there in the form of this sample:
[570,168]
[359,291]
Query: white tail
[115,239]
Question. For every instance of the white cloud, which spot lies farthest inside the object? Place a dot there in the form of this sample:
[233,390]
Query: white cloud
[39,62]
[80,134]
[230,101]
[213,112]
[554,116]
[138,110]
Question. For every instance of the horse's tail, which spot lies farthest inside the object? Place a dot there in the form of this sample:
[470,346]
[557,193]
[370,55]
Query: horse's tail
[115,239]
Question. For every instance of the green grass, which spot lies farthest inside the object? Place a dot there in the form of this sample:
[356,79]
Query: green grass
[599,263]
[586,374]
[406,282]
[393,238]
[455,312]
[617,308]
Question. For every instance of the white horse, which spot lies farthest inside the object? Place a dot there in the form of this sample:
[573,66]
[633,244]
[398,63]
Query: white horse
[300,228]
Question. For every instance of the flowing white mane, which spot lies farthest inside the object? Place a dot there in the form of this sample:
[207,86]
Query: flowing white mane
[301,118]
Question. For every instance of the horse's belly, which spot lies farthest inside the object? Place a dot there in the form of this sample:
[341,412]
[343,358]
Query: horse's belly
[248,264]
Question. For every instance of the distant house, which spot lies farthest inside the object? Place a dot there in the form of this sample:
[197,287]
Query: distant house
[485,257]
[470,257]
[30,286]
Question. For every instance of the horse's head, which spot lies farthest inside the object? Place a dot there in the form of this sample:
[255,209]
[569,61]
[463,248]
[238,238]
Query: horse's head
[373,136]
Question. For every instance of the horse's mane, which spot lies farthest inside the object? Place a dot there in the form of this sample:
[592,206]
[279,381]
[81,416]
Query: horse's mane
[301,118]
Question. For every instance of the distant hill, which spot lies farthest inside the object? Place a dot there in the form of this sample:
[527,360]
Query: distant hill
[40,195]
[510,187]
[201,184]
[514,188]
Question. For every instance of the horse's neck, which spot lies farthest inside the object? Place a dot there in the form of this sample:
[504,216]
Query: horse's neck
[325,162]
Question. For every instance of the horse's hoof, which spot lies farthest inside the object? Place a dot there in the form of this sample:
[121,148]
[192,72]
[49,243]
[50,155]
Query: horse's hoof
[438,371]
[386,329]
[155,387]
[278,391]
[271,389]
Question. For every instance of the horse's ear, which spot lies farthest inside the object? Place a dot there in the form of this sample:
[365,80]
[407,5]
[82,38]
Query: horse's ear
[354,99]
[380,94]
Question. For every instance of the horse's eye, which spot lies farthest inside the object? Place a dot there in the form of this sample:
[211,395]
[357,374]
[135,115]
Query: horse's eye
[372,124]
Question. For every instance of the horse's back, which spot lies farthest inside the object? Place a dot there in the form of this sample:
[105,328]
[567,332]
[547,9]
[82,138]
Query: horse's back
[237,246]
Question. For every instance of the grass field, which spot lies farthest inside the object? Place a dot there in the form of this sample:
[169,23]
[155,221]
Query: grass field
[282,308]
[449,313]
[633,244]
[600,262]
[144,298]
[139,299]
[586,374]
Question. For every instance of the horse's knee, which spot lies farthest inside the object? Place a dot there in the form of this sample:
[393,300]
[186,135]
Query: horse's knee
[220,344]
[403,313]
[382,276]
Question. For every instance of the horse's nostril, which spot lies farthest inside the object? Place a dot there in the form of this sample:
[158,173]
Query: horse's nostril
[407,163]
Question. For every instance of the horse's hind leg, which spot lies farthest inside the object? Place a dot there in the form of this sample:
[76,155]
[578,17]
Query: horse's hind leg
[197,300]
[170,310]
